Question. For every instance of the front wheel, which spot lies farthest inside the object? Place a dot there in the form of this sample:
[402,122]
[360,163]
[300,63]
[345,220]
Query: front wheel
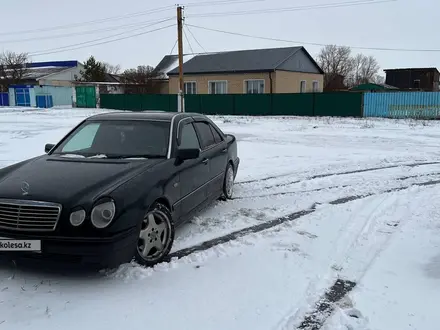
[156,236]
[228,183]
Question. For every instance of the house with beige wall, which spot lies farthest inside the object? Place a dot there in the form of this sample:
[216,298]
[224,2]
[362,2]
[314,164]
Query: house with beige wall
[256,71]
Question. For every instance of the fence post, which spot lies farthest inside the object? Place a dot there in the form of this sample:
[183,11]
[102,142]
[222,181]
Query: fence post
[362,104]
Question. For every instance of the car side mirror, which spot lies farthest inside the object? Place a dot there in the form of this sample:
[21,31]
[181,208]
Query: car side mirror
[48,147]
[185,154]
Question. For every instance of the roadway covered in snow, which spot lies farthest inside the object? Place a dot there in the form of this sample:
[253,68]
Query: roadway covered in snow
[334,225]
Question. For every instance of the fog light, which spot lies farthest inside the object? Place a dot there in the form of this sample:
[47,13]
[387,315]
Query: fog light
[77,218]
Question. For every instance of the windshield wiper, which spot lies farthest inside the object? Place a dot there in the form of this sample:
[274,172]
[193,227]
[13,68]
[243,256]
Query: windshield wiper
[135,156]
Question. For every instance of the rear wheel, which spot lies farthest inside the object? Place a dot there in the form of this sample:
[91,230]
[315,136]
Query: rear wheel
[156,236]
[228,183]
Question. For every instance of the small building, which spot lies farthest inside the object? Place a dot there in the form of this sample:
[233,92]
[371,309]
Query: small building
[423,79]
[54,73]
[45,84]
[257,71]
[372,87]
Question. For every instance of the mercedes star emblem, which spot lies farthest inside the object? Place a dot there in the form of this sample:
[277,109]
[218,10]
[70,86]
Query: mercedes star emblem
[25,188]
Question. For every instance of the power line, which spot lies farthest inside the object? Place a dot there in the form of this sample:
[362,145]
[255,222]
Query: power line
[187,40]
[94,31]
[290,9]
[106,42]
[175,44]
[130,15]
[190,32]
[99,39]
[221,2]
[92,22]
[307,43]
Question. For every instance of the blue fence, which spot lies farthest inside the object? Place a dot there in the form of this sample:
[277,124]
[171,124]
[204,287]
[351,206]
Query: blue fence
[44,101]
[423,105]
[61,96]
[4,99]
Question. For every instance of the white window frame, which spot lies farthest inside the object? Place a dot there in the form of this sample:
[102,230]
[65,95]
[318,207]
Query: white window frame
[258,80]
[217,81]
[190,82]
[305,86]
[317,86]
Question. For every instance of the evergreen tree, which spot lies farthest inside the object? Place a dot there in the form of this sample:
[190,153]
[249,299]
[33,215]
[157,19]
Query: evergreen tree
[94,71]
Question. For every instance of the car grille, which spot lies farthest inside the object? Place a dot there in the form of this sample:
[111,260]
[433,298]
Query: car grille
[26,215]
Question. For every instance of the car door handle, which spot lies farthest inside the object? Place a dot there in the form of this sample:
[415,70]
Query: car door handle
[205,161]
[225,150]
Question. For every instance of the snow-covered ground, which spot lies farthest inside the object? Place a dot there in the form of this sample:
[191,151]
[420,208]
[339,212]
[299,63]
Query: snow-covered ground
[294,233]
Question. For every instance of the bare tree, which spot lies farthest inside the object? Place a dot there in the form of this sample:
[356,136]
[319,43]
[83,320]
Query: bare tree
[378,79]
[335,60]
[13,68]
[112,69]
[365,69]
[142,79]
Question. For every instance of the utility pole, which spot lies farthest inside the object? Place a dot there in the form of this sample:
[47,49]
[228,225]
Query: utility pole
[180,47]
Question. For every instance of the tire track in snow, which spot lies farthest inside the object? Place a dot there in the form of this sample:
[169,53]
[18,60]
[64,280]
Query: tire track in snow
[315,319]
[276,222]
[290,192]
[325,306]
[324,175]
[328,187]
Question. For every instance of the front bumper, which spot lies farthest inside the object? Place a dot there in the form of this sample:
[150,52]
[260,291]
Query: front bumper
[106,252]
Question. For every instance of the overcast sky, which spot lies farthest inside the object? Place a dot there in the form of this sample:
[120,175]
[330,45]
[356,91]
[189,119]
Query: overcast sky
[409,24]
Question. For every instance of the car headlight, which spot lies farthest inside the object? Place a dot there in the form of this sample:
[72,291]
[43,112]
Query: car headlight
[77,217]
[103,214]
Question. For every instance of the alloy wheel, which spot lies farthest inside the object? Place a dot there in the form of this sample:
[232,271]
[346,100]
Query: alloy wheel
[154,235]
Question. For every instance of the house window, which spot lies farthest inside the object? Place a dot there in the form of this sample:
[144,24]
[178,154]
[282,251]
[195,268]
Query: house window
[302,87]
[254,86]
[315,85]
[218,87]
[190,87]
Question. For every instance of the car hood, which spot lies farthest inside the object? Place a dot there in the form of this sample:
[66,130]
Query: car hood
[55,179]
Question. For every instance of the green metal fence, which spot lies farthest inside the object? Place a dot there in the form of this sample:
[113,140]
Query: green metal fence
[338,104]
[341,104]
[139,102]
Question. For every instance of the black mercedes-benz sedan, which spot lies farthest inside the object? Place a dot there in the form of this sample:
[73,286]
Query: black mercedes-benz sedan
[115,187]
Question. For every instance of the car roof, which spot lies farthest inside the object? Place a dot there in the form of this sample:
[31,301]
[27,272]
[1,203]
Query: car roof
[142,115]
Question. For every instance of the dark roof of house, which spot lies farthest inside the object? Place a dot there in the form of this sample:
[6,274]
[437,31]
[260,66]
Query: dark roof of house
[253,60]
[413,69]
[167,63]
[110,77]
[37,73]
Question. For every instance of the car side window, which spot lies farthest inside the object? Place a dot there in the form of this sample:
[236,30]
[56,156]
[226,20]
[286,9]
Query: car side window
[206,136]
[216,134]
[189,139]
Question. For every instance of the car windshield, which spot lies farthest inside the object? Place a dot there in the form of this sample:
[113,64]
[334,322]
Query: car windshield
[117,139]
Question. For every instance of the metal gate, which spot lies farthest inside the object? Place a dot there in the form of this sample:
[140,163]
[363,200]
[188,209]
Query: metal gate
[22,97]
[85,97]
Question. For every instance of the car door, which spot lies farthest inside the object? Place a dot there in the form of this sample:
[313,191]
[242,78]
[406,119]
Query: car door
[194,173]
[214,151]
